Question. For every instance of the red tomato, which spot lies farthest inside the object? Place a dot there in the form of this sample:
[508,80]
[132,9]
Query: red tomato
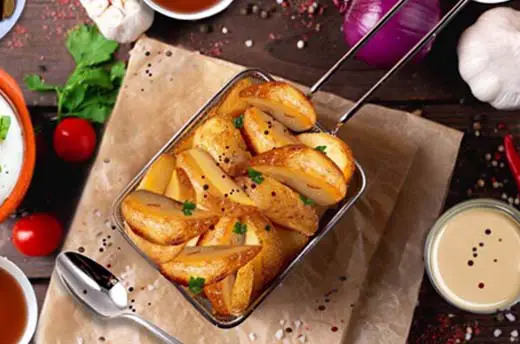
[37,235]
[74,139]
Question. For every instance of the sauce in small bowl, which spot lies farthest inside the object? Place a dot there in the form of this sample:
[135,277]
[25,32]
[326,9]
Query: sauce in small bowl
[188,9]
[19,309]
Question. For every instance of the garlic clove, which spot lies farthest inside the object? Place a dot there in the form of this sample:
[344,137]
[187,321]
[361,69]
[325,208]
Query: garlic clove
[95,8]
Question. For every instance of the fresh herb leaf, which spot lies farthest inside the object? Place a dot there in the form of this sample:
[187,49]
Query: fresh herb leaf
[196,284]
[117,72]
[268,227]
[321,148]
[306,201]
[88,46]
[91,90]
[255,176]
[238,122]
[187,208]
[5,123]
[240,228]
[35,83]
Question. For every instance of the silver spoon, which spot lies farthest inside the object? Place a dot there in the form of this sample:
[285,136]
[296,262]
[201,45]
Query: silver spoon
[100,291]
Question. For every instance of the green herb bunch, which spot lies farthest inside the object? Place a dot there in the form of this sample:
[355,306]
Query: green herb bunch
[91,90]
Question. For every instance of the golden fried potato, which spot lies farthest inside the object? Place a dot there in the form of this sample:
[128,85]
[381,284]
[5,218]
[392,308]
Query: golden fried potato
[306,170]
[179,187]
[337,151]
[281,204]
[158,175]
[162,220]
[234,105]
[215,191]
[219,137]
[292,242]
[269,239]
[264,133]
[159,254]
[212,263]
[284,102]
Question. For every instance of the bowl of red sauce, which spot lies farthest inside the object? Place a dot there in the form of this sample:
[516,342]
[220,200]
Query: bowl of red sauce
[188,9]
[17,146]
[19,308]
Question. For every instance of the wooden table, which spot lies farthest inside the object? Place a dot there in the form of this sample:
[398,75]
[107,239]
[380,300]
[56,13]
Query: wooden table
[434,88]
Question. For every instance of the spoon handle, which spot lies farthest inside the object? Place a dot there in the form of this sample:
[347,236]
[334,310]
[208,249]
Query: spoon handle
[160,334]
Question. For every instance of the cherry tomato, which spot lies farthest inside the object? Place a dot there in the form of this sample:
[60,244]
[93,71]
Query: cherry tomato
[74,140]
[37,235]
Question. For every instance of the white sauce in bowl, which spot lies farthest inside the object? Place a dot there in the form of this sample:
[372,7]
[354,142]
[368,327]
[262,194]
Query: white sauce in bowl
[11,152]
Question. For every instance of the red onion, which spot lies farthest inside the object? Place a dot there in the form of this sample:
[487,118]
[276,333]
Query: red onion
[397,37]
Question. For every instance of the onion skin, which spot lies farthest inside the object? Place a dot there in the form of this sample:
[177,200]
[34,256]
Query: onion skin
[397,37]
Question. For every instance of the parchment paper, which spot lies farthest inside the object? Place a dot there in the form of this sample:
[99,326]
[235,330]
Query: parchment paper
[408,162]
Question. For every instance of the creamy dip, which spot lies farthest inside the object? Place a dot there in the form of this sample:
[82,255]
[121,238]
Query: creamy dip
[475,260]
[11,152]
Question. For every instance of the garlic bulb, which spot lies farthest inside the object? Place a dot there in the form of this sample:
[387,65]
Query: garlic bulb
[489,53]
[120,20]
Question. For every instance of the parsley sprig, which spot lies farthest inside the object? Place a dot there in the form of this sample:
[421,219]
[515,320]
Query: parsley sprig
[91,90]
[188,208]
[255,176]
[196,284]
[238,122]
[306,201]
[240,228]
[321,148]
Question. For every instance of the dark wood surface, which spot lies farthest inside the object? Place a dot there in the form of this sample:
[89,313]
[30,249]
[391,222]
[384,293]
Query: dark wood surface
[432,87]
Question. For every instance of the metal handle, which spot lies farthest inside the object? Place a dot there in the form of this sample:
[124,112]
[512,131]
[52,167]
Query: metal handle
[407,58]
[160,334]
[356,47]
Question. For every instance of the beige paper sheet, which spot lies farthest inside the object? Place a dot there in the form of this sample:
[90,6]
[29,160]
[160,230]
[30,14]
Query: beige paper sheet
[398,206]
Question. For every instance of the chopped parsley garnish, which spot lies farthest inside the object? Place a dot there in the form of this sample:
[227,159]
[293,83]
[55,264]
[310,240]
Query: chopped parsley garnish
[306,201]
[321,148]
[187,208]
[238,122]
[196,284]
[267,228]
[255,176]
[240,228]
[5,123]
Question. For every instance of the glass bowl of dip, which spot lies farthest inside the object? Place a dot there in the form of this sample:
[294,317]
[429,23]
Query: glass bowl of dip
[17,151]
[472,256]
[19,311]
[189,9]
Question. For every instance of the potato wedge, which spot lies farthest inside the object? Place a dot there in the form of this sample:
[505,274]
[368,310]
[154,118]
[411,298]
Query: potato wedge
[219,294]
[162,221]
[268,237]
[193,241]
[158,175]
[219,137]
[306,170]
[223,234]
[233,104]
[281,204]
[179,187]
[292,242]
[159,254]
[263,133]
[213,263]
[242,292]
[337,151]
[215,191]
[284,102]
[185,144]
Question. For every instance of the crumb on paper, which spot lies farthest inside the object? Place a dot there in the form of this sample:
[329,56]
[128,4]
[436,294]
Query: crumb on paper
[302,338]
[279,334]
[282,322]
[153,286]
[252,336]
[297,323]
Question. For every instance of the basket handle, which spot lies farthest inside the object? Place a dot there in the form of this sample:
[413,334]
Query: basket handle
[407,58]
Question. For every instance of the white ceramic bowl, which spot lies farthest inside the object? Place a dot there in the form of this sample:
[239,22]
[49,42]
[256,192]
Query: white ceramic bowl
[208,12]
[30,297]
